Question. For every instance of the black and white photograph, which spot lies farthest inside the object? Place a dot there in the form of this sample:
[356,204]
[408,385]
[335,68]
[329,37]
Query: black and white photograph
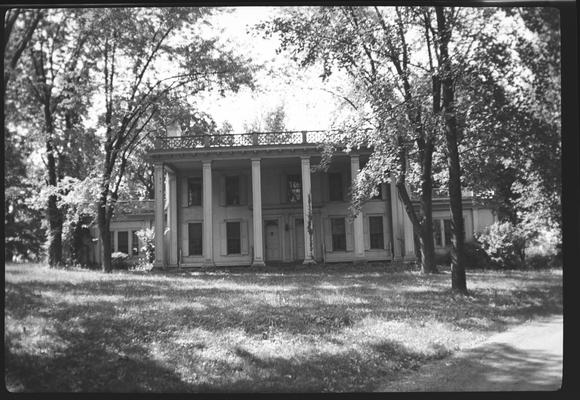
[340,198]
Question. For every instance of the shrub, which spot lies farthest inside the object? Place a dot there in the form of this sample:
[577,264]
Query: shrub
[504,243]
[120,260]
[147,238]
[475,256]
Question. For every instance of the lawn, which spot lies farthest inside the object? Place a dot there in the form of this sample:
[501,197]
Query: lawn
[313,329]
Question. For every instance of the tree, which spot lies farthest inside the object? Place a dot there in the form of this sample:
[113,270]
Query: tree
[48,96]
[392,95]
[444,27]
[273,120]
[143,39]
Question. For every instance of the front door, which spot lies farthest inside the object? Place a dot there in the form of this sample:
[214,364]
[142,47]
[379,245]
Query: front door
[272,241]
[299,239]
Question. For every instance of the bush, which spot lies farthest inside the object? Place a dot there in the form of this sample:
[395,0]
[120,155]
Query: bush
[475,256]
[147,238]
[120,260]
[504,243]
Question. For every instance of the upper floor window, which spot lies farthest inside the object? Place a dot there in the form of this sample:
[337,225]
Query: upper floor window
[194,191]
[379,191]
[335,187]
[232,190]
[294,188]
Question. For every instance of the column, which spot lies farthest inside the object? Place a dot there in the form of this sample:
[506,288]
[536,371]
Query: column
[159,216]
[172,216]
[359,249]
[307,209]
[207,215]
[397,237]
[257,212]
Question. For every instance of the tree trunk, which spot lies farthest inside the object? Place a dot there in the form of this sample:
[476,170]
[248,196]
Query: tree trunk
[105,236]
[426,231]
[53,214]
[458,281]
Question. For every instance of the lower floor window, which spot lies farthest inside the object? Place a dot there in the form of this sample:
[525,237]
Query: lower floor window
[135,244]
[376,232]
[234,245]
[195,239]
[338,234]
[123,242]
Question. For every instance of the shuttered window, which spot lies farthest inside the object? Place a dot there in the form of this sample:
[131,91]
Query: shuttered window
[338,234]
[195,239]
[234,245]
[376,232]
[194,191]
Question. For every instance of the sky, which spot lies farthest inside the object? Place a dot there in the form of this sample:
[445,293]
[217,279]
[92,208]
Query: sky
[307,105]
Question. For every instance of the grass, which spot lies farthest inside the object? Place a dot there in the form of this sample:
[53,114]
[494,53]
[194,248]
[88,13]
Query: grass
[299,329]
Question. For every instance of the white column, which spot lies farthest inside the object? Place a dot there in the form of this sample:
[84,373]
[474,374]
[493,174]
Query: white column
[397,237]
[359,249]
[257,212]
[307,208]
[159,216]
[207,215]
[409,236]
[172,216]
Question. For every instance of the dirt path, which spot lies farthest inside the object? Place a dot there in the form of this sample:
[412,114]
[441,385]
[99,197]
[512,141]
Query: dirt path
[528,357]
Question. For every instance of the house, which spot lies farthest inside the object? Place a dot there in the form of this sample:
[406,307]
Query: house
[258,198]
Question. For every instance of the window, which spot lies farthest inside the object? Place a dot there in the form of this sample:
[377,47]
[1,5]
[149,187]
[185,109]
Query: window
[379,194]
[376,232]
[294,188]
[195,239]
[234,245]
[334,187]
[447,231]
[123,242]
[437,236]
[338,234]
[232,190]
[194,191]
[135,245]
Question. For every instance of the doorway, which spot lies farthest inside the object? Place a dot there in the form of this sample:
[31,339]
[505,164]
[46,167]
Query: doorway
[272,233]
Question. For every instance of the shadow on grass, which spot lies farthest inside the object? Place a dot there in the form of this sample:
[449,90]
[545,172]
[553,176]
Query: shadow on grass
[111,332]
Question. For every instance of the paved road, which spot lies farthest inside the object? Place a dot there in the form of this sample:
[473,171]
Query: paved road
[528,357]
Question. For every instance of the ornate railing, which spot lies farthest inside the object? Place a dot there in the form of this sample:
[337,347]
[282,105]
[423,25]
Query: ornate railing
[134,207]
[240,140]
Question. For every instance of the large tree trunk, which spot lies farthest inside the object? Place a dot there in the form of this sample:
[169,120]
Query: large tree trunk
[53,214]
[105,236]
[426,241]
[458,281]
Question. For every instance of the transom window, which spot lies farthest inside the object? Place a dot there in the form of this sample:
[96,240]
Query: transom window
[335,186]
[294,188]
[234,245]
[232,190]
[195,239]
[376,232]
[194,191]
[338,234]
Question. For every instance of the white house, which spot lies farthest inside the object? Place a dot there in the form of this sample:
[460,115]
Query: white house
[255,199]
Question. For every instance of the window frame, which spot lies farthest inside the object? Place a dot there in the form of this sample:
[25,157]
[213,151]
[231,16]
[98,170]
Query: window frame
[335,187]
[231,197]
[190,241]
[119,234]
[290,190]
